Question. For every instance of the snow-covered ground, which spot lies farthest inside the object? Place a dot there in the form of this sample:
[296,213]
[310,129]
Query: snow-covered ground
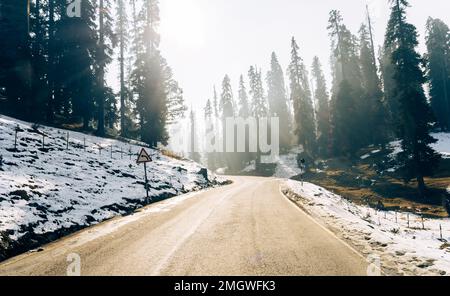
[287,166]
[250,168]
[48,190]
[417,249]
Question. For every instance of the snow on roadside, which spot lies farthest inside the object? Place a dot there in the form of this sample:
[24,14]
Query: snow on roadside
[403,250]
[250,168]
[287,166]
[47,190]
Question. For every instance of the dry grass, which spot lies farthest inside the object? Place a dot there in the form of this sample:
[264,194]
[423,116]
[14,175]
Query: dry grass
[360,182]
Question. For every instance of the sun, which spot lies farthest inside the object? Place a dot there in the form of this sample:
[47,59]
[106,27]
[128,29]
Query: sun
[182,23]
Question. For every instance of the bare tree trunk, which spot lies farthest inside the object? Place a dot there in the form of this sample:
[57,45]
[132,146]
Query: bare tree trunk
[122,69]
[101,75]
[421,186]
[51,62]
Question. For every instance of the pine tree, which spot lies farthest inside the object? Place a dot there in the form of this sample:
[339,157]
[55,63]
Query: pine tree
[148,77]
[15,56]
[258,106]
[215,103]
[226,108]
[111,110]
[209,114]
[258,102]
[36,107]
[302,101]
[387,70]
[50,104]
[244,108]
[75,51]
[176,107]
[106,41]
[438,66]
[346,91]
[132,121]
[276,95]
[121,33]
[194,155]
[244,113]
[226,99]
[208,110]
[323,108]
[372,107]
[418,159]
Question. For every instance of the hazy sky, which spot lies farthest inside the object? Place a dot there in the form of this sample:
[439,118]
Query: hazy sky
[205,39]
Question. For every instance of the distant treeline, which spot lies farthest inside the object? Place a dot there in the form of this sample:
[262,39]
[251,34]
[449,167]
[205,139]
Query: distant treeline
[375,97]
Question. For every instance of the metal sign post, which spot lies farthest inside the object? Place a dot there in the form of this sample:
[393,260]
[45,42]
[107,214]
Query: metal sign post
[146,183]
[17,129]
[143,157]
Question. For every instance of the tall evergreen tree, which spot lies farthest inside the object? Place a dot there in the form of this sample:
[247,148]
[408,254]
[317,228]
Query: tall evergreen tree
[438,66]
[209,115]
[148,77]
[76,50]
[258,105]
[226,108]
[121,33]
[106,40]
[208,110]
[323,108]
[194,155]
[49,105]
[215,103]
[244,112]
[276,95]
[389,84]
[418,159]
[176,107]
[226,99]
[244,108]
[371,107]
[38,97]
[15,56]
[302,101]
[346,90]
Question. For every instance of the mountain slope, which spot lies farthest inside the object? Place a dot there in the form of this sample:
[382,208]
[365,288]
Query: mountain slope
[47,192]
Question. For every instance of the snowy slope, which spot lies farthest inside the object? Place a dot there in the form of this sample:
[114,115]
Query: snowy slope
[287,166]
[56,191]
[416,249]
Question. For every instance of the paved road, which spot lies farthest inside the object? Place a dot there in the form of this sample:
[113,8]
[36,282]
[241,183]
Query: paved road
[247,228]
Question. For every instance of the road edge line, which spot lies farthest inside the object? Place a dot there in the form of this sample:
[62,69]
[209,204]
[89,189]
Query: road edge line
[298,207]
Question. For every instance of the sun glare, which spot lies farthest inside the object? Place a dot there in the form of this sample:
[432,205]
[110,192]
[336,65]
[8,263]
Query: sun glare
[182,23]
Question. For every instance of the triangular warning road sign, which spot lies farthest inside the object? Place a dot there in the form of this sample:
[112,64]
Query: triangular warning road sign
[143,157]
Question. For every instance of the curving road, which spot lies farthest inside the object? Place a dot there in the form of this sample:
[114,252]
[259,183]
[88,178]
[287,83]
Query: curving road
[247,228]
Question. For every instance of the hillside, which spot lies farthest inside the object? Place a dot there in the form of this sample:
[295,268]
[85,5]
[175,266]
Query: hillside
[52,190]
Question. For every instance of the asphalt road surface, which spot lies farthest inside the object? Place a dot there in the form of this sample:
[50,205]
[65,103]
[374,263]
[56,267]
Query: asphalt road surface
[247,228]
